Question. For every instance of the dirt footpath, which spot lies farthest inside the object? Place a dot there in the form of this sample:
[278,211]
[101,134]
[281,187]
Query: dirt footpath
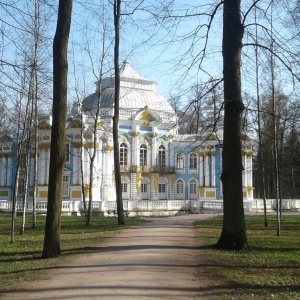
[156,260]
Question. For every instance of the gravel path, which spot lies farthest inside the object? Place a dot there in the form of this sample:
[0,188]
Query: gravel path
[156,260]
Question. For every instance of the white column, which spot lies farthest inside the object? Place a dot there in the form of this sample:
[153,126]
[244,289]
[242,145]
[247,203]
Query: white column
[31,171]
[249,171]
[9,171]
[133,187]
[206,170]
[154,150]
[76,165]
[245,170]
[154,186]
[172,155]
[43,168]
[213,170]
[47,163]
[201,162]
[135,157]
[2,170]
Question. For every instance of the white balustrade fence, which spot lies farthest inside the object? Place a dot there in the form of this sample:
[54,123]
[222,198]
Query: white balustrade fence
[154,206]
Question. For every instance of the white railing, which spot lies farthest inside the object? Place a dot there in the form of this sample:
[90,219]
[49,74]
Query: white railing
[156,205]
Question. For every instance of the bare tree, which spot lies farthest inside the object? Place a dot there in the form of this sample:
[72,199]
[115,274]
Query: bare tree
[117,15]
[233,235]
[60,75]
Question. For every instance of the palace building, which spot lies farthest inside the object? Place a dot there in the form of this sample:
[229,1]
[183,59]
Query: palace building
[163,173]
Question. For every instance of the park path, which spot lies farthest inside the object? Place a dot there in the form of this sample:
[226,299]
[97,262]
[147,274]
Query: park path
[155,260]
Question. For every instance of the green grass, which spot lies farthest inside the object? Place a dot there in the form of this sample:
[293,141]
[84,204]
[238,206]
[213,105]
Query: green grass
[269,269]
[21,261]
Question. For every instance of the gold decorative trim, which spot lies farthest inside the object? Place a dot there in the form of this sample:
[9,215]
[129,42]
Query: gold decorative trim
[75,124]
[44,146]
[247,153]
[77,144]
[44,125]
[153,134]
[146,117]
[91,144]
[108,148]
[5,154]
[211,136]
[156,179]
[135,133]
[99,125]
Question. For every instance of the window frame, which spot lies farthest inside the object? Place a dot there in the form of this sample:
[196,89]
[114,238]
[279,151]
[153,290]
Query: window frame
[143,155]
[193,162]
[180,161]
[179,184]
[123,159]
[160,186]
[66,185]
[67,153]
[162,156]
[124,187]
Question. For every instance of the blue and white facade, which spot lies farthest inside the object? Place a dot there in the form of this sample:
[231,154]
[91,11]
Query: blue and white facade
[161,170]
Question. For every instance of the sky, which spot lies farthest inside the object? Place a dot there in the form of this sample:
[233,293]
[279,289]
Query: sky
[165,49]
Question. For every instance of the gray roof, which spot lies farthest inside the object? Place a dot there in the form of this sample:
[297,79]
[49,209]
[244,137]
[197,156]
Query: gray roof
[135,92]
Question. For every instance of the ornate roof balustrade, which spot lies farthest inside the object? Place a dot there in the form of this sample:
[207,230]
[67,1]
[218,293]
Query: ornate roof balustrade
[147,169]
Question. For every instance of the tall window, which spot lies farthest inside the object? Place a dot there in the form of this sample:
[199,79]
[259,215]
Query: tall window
[144,187]
[161,188]
[180,161]
[21,186]
[66,185]
[143,155]
[123,154]
[161,156]
[193,161]
[67,152]
[193,187]
[124,187]
[22,163]
[179,187]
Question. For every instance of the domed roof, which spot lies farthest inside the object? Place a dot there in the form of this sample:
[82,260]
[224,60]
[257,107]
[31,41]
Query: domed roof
[135,92]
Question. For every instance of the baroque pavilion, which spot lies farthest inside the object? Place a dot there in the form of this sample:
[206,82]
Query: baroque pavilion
[163,172]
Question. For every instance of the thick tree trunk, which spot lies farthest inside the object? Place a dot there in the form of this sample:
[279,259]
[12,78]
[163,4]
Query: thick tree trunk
[57,157]
[233,234]
[117,6]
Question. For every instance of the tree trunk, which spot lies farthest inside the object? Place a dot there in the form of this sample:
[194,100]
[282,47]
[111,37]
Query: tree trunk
[57,157]
[35,109]
[260,141]
[233,234]
[117,7]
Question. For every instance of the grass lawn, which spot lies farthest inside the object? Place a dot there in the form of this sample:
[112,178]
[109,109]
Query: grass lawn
[270,269]
[21,261]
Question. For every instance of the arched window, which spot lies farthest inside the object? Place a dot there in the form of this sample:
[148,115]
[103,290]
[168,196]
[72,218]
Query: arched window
[180,161]
[179,187]
[67,153]
[193,161]
[123,154]
[193,187]
[143,155]
[161,156]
